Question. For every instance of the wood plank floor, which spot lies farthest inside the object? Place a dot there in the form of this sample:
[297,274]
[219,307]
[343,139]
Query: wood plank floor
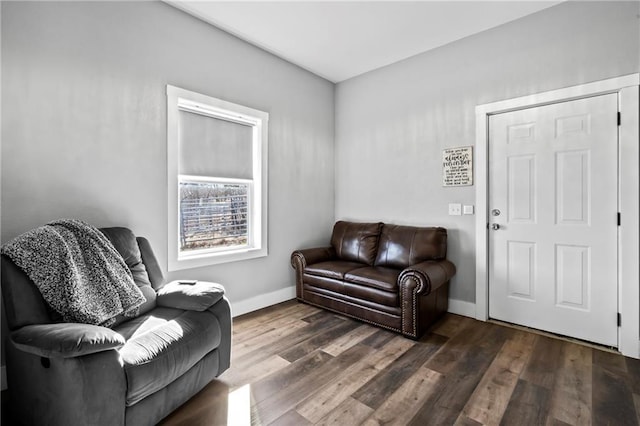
[294,364]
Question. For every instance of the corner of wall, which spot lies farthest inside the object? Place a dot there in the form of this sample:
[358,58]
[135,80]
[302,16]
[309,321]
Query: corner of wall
[461,307]
[262,301]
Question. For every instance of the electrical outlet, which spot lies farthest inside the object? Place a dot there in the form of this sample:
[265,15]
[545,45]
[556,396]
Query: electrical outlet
[455,209]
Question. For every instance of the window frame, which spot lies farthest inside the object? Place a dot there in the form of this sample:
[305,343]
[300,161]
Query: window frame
[257,245]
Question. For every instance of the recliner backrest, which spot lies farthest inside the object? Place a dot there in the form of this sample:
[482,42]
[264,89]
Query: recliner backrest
[124,240]
[24,305]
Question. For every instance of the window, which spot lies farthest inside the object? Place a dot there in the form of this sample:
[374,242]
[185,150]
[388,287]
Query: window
[217,179]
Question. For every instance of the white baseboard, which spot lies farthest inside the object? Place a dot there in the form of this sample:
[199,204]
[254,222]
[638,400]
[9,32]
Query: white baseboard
[262,301]
[3,376]
[460,307]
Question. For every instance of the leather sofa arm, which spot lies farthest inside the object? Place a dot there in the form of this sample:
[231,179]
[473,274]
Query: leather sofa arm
[301,258]
[66,340]
[310,256]
[429,275]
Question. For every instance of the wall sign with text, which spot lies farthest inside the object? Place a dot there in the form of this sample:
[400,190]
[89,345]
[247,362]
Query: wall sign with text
[457,166]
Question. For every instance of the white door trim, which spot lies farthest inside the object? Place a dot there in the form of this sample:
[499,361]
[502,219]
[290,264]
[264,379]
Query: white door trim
[627,88]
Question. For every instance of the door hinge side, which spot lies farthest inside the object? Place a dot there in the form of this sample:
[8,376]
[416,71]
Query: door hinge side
[619,319]
[619,118]
[619,219]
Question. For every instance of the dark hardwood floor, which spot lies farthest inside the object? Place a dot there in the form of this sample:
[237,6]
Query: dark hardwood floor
[293,364]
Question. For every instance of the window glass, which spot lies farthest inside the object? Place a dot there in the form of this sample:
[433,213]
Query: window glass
[213,215]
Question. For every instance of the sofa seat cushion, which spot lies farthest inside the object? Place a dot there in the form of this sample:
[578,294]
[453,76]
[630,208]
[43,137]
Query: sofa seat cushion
[363,293]
[356,302]
[335,269]
[162,345]
[371,294]
[385,279]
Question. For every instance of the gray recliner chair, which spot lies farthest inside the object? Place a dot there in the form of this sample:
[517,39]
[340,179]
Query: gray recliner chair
[135,372]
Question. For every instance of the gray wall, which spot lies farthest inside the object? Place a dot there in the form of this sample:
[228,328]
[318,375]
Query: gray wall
[83,123]
[393,123]
[84,126]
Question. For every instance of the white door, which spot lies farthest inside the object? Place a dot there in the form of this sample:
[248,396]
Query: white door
[553,203]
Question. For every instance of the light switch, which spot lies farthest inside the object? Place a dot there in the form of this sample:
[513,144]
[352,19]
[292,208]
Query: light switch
[455,209]
[467,210]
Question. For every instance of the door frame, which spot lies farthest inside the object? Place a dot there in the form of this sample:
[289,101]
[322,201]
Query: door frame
[627,88]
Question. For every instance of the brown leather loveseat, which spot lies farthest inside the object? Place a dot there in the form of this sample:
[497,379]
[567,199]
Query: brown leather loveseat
[392,276]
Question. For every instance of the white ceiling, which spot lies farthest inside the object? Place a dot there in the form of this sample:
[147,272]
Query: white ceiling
[338,40]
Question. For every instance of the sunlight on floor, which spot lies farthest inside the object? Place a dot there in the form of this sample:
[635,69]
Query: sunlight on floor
[239,412]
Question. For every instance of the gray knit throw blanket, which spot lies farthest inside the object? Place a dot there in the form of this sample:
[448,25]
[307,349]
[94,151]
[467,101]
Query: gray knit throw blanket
[78,271]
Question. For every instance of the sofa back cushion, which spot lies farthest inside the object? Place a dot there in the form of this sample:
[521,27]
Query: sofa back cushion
[356,242]
[403,246]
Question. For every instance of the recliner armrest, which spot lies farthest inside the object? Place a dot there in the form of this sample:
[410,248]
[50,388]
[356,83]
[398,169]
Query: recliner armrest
[66,340]
[190,296]
[312,255]
[429,274]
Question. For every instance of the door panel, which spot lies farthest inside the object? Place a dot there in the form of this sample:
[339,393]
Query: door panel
[521,184]
[572,187]
[553,183]
[521,263]
[573,268]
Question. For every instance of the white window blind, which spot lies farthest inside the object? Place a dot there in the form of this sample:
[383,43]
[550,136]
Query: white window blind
[213,147]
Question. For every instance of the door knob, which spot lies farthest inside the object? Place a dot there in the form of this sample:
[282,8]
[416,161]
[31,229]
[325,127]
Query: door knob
[495,226]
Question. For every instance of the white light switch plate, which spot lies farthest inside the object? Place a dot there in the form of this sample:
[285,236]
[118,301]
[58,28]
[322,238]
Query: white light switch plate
[467,209]
[455,209]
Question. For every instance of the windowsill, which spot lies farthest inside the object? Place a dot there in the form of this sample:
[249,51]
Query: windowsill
[208,259]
